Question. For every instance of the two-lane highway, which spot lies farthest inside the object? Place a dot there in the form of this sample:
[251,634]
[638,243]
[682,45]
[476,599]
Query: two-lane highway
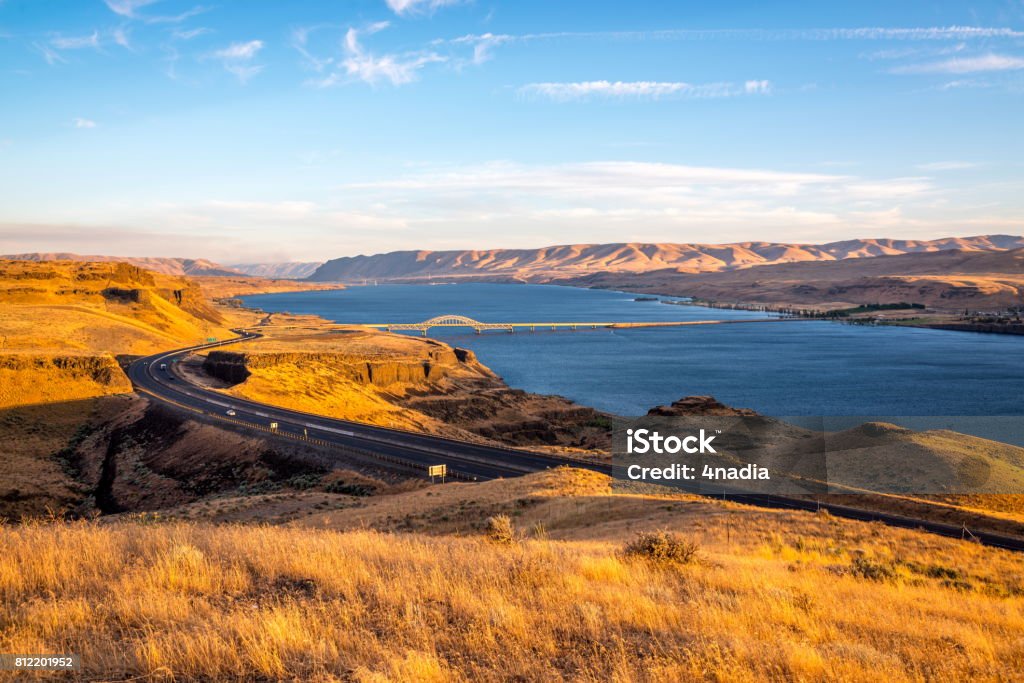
[155,377]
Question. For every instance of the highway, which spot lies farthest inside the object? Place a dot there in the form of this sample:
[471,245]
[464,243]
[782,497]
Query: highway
[155,377]
[389,447]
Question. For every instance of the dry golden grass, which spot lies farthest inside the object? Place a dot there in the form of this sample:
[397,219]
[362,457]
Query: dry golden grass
[782,596]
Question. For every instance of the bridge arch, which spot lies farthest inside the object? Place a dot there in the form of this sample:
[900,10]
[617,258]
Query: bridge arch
[450,320]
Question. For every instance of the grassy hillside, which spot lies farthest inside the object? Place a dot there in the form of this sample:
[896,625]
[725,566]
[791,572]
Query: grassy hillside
[62,324]
[769,594]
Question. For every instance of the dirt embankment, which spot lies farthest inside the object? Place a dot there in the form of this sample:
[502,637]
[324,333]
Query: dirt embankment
[399,381]
[125,454]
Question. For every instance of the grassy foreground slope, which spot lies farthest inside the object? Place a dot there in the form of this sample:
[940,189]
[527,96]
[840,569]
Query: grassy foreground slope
[771,595]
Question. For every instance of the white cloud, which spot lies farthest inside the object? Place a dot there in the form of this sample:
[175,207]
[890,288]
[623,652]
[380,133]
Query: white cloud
[237,59]
[947,166]
[76,42]
[519,205]
[120,36]
[757,87]
[407,7]
[483,45]
[362,65]
[866,33]
[127,8]
[300,41]
[84,123]
[965,65]
[564,92]
[240,51]
[49,54]
[179,34]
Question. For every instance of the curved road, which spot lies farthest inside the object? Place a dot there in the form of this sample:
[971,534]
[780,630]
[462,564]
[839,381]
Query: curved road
[155,377]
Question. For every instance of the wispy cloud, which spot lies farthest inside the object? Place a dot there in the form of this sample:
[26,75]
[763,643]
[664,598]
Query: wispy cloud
[407,7]
[483,45]
[237,59]
[49,54]
[866,33]
[120,36]
[947,166]
[300,41]
[129,9]
[875,33]
[76,42]
[360,64]
[649,90]
[965,65]
[595,201]
[84,123]
[189,34]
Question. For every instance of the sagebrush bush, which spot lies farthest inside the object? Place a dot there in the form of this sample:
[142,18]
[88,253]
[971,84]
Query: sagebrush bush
[500,529]
[663,547]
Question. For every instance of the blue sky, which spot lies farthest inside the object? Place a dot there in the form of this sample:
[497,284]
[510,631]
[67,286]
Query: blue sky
[251,131]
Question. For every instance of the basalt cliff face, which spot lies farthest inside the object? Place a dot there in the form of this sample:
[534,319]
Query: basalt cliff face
[635,257]
[236,367]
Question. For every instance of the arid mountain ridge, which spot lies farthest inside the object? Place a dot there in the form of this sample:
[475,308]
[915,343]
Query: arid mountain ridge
[582,259]
[157,264]
[945,280]
[572,260]
[287,270]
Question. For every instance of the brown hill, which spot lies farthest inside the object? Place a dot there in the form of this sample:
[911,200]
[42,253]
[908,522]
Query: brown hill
[581,259]
[287,270]
[62,323]
[949,280]
[166,266]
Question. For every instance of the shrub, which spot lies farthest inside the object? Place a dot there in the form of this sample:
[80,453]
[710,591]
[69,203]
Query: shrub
[500,529]
[870,569]
[663,547]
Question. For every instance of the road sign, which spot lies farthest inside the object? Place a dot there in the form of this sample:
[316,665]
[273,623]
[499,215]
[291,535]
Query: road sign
[437,471]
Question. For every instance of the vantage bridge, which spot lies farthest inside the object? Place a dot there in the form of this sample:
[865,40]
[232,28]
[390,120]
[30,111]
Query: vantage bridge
[480,327]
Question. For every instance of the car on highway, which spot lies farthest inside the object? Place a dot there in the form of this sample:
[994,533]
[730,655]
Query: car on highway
[231,412]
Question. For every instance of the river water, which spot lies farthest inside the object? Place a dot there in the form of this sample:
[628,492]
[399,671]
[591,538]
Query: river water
[777,368]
